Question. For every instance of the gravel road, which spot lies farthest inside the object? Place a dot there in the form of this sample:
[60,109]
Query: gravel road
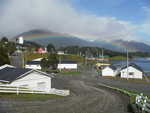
[86,97]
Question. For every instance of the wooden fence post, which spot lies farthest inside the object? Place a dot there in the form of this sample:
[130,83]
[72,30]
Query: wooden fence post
[17,90]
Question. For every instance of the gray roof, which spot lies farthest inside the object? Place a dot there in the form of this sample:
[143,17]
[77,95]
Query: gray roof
[113,67]
[135,66]
[10,74]
[33,63]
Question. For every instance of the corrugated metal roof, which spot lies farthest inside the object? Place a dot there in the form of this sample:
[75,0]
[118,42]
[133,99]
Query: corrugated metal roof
[33,63]
[10,74]
[133,65]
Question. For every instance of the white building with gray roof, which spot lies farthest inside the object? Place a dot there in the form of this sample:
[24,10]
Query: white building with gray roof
[28,78]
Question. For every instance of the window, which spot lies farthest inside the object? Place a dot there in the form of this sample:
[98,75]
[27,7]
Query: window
[131,73]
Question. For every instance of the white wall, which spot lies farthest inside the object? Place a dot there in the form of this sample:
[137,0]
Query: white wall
[38,67]
[108,72]
[67,66]
[136,73]
[32,81]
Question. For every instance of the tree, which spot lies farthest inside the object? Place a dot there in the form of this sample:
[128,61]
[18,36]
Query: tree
[51,62]
[44,63]
[4,40]
[4,59]
[51,48]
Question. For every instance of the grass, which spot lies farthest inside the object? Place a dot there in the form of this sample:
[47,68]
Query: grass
[29,56]
[72,57]
[32,56]
[118,58]
[131,94]
[28,97]
[144,80]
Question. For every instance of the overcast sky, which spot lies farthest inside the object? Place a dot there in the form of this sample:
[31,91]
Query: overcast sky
[88,19]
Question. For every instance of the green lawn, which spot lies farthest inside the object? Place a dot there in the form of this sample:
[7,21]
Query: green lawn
[118,58]
[32,56]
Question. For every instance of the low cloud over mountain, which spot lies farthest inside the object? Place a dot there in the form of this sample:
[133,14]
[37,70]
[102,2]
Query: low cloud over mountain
[18,16]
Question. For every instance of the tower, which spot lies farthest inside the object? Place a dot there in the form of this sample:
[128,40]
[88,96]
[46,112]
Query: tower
[17,58]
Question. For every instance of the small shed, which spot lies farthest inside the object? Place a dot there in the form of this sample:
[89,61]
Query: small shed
[132,71]
[67,65]
[33,65]
[109,71]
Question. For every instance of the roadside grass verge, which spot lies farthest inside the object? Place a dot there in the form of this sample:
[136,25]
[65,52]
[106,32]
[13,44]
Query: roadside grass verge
[132,96]
[28,97]
[145,80]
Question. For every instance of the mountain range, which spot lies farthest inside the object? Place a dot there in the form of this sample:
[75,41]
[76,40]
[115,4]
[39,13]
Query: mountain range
[44,37]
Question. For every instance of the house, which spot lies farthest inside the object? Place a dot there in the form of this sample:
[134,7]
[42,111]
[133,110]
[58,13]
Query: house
[33,65]
[101,65]
[71,65]
[132,71]
[109,71]
[60,52]
[6,65]
[28,78]
[41,50]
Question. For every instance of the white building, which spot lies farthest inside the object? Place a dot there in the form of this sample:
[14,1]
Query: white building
[67,65]
[133,71]
[60,52]
[28,78]
[109,71]
[33,65]
[6,65]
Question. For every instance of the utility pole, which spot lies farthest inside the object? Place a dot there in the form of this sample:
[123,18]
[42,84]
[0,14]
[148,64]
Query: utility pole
[60,62]
[102,55]
[127,65]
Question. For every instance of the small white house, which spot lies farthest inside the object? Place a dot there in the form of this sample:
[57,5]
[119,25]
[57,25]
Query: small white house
[33,65]
[109,71]
[28,78]
[6,65]
[133,71]
[60,52]
[67,65]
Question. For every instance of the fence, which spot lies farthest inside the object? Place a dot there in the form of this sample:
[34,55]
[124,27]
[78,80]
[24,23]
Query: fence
[143,103]
[18,90]
[60,92]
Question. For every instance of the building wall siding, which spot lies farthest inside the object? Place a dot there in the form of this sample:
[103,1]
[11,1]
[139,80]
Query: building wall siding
[33,67]
[136,73]
[67,66]
[108,72]
[32,81]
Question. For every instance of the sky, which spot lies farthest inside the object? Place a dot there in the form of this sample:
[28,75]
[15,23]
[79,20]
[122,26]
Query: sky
[87,19]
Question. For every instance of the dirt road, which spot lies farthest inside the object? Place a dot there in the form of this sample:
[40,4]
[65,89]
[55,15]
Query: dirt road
[85,97]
